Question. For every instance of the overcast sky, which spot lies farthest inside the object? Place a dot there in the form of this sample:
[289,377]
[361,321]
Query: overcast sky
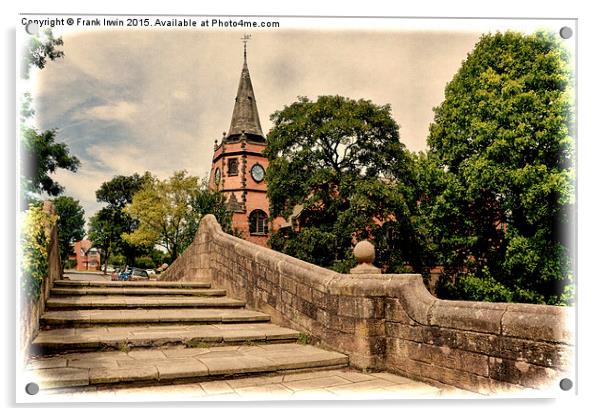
[131,101]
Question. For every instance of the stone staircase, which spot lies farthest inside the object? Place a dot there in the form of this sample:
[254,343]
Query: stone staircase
[97,334]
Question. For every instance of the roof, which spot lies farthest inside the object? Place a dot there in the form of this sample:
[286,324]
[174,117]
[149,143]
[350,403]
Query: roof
[245,117]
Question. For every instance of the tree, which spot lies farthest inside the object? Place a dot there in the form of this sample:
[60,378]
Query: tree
[162,209]
[39,49]
[103,233]
[206,201]
[342,161]
[41,156]
[112,221]
[70,224]
[502,142]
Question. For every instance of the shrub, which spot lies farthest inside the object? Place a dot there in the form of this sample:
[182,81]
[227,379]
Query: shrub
[35,237]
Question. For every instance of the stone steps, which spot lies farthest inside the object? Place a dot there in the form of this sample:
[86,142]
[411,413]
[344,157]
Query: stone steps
[164,366]
[93,317]
[120,302]
[135,291]
[119,337]
[129,284]
[115,334]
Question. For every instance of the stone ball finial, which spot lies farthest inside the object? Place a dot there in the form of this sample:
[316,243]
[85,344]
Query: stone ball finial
[364,252]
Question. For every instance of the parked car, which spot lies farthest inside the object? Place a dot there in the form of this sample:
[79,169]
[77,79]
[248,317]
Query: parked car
[129,273]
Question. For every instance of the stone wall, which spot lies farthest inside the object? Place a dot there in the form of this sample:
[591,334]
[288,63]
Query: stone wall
[31,311]
[388,322]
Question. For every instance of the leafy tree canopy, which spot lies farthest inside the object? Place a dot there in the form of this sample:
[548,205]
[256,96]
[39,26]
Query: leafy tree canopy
[206,201]
[162,209]
[108,224]
[502,142]
[41,157]
[39,50]
[70,224]
[341,161]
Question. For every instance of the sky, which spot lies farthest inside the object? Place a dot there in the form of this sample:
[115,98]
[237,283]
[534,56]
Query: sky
[128,101]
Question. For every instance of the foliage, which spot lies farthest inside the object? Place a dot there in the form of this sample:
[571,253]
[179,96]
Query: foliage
[206,201]
[35,237]
[342,161]
[500,181]
[41,157]
[71,223]
[162,209]
[70,264]
[38,50]
[110,222]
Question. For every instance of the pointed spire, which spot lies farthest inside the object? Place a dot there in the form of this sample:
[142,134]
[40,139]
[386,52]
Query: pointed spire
[245,117]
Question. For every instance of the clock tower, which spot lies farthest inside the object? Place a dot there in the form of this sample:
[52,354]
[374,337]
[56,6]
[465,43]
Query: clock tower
[239,166]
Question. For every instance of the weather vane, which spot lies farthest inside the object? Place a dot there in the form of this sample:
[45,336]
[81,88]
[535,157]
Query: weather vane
[245,39]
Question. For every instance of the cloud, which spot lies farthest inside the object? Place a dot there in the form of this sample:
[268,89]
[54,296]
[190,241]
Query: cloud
[120,111]
[132,101]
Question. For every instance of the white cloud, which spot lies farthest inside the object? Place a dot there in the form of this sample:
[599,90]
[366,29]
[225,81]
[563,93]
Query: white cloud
[119,111]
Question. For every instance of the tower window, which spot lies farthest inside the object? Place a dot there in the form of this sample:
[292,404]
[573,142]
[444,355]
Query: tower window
[258,223]
[232,167]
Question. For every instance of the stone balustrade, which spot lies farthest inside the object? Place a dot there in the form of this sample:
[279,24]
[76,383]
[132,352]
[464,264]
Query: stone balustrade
[389,321]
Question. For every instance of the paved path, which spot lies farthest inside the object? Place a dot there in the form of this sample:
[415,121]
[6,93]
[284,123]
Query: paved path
[330,384]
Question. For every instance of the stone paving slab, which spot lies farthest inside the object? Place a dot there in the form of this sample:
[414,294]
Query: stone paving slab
[330,384]
[96,302]
[131,284]
[154,335]
[132,316]
[83,369]
[135,291]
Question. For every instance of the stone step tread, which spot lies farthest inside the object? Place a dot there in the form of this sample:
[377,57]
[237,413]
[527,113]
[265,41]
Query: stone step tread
[168,364]
[127,316]
[138,283]
[134,291]
[156,335]
[95,302]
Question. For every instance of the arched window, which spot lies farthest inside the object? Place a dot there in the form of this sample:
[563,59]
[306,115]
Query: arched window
[258,223]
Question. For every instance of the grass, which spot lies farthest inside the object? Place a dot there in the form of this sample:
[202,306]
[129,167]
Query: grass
[196,344]
[124,347]
[304,338]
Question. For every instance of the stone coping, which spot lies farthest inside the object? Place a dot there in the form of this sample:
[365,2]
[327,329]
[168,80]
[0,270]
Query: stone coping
[535,322]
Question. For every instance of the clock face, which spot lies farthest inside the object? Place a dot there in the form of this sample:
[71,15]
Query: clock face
[257,172]
[217,177]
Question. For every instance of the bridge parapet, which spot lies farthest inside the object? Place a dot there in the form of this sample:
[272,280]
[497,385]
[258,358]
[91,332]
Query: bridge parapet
[389,321]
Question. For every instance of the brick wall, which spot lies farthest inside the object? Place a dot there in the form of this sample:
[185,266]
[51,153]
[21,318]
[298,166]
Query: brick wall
[389,322]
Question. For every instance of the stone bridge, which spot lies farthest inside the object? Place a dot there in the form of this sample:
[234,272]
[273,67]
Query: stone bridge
[95,336]
[389,322]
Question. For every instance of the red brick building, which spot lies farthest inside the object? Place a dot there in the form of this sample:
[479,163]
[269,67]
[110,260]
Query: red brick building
[239,166]
[85,256]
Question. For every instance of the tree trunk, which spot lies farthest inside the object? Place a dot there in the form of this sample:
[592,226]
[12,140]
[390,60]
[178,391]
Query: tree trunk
[106,261]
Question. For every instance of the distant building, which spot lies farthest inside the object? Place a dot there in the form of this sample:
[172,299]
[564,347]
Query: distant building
[86,256]
[239,167]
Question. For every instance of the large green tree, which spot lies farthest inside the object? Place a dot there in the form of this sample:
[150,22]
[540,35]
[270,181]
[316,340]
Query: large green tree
[162,208]
[342,162]
[112,221]
[502,144]
[70,224]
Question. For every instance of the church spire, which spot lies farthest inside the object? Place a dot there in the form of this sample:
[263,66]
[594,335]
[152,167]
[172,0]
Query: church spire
[245,117]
